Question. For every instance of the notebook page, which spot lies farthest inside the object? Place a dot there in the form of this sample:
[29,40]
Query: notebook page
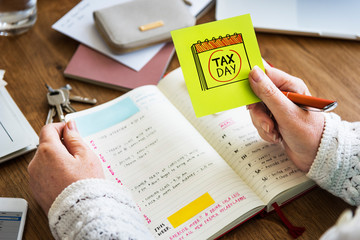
[152,150]
[263,166]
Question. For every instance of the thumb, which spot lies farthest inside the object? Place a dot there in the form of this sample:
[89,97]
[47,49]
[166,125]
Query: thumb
[266,90]
[73,141]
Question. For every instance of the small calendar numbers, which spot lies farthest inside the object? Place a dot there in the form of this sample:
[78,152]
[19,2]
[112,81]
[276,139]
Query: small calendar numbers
[265,188]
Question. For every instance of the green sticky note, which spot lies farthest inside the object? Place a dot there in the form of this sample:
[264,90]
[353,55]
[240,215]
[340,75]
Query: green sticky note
[216,59]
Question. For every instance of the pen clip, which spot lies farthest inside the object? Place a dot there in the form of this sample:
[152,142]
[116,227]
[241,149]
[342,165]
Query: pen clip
[330,107]
[327,108]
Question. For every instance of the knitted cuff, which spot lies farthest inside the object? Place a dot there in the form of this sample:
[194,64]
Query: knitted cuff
[336,167]
[95,209]
[321,169]
[76,189]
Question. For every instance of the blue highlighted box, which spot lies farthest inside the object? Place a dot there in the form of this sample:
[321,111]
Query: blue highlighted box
[105,118]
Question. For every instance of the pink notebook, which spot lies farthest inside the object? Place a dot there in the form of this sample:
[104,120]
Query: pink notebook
[91,66]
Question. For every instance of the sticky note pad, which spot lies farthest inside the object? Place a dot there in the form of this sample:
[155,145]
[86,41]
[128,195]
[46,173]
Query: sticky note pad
[216,59]
[190,210]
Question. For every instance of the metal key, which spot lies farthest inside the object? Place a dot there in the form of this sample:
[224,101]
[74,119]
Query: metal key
[83,99]
[50,89]
[66,90]
[57,99]
[67,106]
[51,115]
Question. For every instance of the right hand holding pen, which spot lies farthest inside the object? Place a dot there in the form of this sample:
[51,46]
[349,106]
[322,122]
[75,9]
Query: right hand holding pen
[299,131]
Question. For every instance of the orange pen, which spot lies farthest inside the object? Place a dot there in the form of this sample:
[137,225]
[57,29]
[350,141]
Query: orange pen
[309,101]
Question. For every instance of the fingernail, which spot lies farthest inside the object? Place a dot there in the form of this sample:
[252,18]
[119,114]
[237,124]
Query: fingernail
[71,125]
[255,74]
[265,127]
[275,138]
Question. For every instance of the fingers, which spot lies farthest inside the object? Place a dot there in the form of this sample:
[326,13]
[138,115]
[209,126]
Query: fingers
[91,166]
[285,81]
[73,141]
[279,105]
[264,124]
[50,143]
[61,159]
[52,133]
[63,140]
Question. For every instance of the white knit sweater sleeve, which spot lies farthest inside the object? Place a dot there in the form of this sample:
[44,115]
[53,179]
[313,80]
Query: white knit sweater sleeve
[336,167]
[96,209]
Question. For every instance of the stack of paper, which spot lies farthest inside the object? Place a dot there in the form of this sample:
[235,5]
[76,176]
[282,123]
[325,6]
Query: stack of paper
[16,134]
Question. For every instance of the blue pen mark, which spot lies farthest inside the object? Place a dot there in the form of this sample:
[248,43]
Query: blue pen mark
[105,118]
[10,218]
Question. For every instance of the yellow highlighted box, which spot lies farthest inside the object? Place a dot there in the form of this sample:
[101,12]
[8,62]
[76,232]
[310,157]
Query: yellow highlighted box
[191,210]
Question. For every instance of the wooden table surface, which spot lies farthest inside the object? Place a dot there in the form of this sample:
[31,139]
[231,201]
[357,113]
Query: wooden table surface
[330,67]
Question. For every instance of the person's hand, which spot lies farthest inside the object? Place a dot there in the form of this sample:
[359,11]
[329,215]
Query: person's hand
[59,162]
[277,119]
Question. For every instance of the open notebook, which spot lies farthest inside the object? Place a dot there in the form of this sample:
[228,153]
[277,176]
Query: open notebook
[192,178]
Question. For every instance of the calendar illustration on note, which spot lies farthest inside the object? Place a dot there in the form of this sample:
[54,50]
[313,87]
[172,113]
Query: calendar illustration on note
[216,59]
[221,61]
